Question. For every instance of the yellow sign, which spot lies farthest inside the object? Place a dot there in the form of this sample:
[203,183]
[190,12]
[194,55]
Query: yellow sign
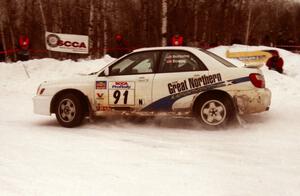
[251,58]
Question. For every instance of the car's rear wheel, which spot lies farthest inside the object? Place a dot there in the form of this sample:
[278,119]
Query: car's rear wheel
[69,110]
[214,112]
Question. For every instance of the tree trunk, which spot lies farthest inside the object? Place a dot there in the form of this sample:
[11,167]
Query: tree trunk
[98,42]
[99,30]
[196,25]
[205,29]
[12,36]
[60,16]
[3,40]
[105,30]
[164,22]
[43,20]
[248,25]
[91,26]
[144,8]
[25,18]
[43,15]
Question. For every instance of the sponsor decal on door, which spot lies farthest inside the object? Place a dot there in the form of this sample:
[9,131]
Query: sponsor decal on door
[121,93]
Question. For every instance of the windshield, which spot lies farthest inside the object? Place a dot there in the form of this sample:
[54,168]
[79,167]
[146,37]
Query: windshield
[102,66]
[218,58]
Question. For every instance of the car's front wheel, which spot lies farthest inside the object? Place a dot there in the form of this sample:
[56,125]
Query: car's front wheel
[69,110]
[214,112]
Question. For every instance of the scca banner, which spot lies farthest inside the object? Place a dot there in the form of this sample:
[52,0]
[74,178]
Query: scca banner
[69,43]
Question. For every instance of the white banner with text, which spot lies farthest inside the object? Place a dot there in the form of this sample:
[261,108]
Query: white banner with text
[69,43]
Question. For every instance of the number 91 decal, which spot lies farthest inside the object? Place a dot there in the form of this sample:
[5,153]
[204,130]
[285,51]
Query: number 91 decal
[121,93]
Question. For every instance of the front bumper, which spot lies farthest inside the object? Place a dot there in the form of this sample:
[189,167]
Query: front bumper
[253,101]
[41,105]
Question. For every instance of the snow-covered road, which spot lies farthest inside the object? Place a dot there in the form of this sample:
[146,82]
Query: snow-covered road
[116,157]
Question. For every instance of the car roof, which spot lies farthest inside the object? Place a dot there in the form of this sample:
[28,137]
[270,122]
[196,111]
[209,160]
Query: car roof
[191,49]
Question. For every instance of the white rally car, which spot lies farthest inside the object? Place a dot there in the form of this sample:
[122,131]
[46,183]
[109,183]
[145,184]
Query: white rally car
[177,81]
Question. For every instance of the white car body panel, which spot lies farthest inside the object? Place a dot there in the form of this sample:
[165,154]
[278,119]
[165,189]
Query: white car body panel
[42,104]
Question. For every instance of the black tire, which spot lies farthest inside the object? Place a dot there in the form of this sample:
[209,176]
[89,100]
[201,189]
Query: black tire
[69,110]
[214,111]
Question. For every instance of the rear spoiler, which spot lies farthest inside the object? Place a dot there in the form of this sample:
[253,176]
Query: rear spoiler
[253,59]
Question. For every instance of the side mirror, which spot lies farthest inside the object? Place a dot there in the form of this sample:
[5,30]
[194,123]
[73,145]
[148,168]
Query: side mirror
[115,72]
[106,71]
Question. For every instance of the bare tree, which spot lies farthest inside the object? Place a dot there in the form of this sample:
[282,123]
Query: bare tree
[150,23]
[196,22]
[164,22]
[105,28]
[248,24]
[44,22]
[91,24]
[3,38]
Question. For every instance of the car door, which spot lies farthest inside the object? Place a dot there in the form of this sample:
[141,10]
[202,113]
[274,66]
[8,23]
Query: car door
[129,83]
[176,83]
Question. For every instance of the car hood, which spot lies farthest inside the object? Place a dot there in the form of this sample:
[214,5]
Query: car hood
[75,80]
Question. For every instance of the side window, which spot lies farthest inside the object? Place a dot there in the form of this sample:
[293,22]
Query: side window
[139,63]
[180,61]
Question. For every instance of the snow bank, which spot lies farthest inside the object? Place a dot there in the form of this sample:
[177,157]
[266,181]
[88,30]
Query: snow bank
[26,76]
[38,157]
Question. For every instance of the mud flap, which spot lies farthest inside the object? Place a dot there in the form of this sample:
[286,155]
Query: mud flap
[91,114]
[238,111]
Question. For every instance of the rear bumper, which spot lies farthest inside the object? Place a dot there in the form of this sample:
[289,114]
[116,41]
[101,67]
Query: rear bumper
[253,101]
[41,105]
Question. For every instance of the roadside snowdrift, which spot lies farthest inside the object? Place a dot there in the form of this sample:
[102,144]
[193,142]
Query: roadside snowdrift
[26,76]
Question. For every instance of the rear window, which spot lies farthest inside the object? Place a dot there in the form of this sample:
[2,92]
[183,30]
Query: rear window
[218,58]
